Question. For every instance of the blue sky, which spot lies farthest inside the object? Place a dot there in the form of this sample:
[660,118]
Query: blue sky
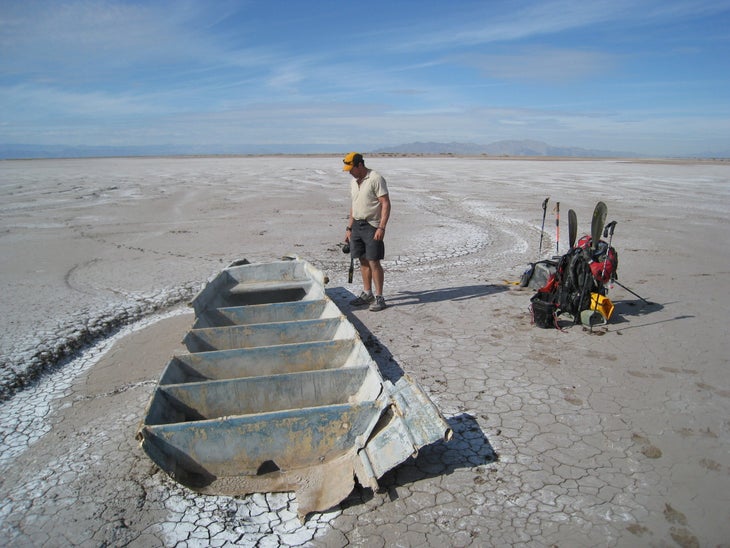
[652,77]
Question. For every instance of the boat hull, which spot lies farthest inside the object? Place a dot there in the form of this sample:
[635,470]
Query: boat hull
[278,393]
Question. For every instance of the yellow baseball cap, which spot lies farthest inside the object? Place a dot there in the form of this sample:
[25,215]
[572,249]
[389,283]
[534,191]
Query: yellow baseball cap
[352,159]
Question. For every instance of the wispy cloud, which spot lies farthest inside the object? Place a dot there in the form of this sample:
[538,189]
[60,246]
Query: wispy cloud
[94,40]
[542,64]
[487,26]
[488,23]
[42,102]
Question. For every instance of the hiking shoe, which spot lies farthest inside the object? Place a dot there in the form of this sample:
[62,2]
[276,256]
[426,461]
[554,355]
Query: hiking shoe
[378,304]
[362,300]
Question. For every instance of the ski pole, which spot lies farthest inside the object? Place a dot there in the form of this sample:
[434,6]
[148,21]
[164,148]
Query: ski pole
[557,228]
[600,287]
[542,228]
[634,294]
[608,231]
[587,282]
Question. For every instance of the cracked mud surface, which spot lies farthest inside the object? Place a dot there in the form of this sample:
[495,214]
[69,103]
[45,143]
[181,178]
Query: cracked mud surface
[617,436]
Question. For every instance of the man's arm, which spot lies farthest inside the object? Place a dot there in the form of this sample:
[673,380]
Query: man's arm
[348,229]
[384,216]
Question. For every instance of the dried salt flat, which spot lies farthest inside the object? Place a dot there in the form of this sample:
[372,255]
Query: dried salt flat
[614,439]
[23,418]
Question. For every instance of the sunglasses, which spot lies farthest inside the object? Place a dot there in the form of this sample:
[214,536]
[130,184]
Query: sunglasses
[346,163]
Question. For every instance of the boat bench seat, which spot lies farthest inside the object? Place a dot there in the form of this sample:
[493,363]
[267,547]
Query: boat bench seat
[269,285]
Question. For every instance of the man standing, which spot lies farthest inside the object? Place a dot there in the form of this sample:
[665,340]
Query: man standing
[365,231]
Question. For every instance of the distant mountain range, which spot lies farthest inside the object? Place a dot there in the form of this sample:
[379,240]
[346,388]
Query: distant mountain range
[498,148]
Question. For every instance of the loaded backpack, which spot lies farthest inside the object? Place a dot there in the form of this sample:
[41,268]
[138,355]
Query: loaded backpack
[578,282]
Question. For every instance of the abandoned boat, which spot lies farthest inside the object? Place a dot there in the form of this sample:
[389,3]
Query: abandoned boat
[277,392]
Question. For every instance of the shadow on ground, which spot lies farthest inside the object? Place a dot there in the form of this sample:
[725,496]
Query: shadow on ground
[468,448]
[387,365]
[627,309]
[389,368]
[462,293]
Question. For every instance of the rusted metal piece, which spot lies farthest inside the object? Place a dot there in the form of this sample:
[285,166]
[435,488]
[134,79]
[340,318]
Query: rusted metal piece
[278,393]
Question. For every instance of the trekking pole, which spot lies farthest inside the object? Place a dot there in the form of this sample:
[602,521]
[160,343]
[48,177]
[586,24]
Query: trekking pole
[542,228]
[634,294]
[557,228]
[610,227]
[586,285]
[599,282]
[608,231]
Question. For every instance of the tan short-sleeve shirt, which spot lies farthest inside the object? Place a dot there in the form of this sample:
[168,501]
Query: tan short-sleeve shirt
[365,203]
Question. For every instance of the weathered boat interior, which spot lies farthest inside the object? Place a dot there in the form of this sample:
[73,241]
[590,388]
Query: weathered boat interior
[278,393]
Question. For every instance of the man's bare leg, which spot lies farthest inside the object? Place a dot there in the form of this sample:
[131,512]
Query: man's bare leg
[377,275]
[367,275]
